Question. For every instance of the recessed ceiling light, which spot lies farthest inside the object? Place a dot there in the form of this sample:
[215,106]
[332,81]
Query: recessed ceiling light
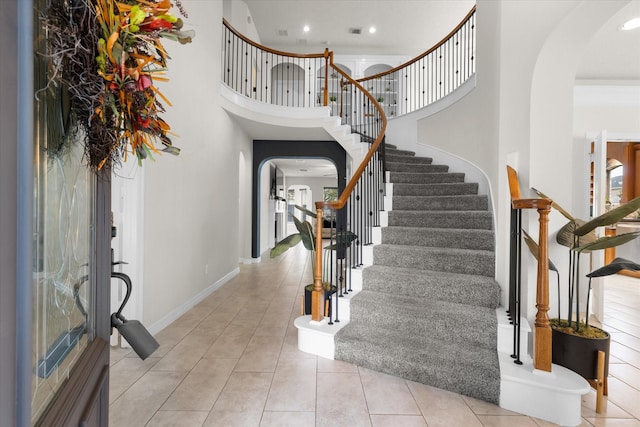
[631,24]
[306,29]
[372,30]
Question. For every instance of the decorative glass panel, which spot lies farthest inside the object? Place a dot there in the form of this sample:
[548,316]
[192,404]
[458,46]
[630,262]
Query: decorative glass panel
[63,239]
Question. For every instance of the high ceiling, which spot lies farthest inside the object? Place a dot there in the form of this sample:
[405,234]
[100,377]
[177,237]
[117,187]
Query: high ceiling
[406,27]
[409,27]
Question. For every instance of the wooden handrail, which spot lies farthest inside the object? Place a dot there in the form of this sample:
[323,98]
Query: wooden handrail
[317,296]
[419,57]
[542,328]
[268,49]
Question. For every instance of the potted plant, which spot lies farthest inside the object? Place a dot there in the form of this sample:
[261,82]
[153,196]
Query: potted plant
[333,98]
[340,240]
[575,343]
[380,99]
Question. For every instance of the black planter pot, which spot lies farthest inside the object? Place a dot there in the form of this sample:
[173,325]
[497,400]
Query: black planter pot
[307,298]
[579,354]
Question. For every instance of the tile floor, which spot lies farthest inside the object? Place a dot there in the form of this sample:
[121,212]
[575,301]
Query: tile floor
[233,361]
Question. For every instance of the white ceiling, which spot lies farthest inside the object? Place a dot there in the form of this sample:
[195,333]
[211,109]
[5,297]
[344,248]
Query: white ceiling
[409,27]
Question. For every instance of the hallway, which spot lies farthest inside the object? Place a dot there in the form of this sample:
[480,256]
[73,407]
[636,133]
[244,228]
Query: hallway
[233,361]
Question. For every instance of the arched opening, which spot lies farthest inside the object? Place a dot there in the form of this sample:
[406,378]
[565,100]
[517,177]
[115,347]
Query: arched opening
[287,85]
[265,186]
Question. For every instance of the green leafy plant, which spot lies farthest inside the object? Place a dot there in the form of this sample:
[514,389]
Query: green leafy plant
[579,236]
[340,240]
[333,98]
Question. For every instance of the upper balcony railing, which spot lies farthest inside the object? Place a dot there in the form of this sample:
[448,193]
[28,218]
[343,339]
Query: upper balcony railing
[308,80]
[430,76]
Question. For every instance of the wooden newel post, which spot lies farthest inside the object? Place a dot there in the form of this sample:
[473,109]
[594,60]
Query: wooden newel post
[542,338]
[317,296]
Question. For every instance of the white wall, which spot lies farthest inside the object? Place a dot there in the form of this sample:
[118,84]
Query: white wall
[315,184]
[191,201]
[521,112]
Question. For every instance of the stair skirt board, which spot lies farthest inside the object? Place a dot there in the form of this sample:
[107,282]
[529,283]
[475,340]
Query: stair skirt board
[425,308]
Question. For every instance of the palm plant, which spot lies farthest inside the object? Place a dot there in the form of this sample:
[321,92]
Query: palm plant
[340,240]
[579,236]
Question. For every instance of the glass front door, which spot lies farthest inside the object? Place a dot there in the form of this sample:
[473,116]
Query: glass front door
[69,351]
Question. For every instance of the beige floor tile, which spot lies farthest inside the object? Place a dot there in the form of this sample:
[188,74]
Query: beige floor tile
[611,410]
[178,418]
[185,355]
[244,392]
[386,394]
[116,354]
[442,408]
[334,408]
[275,330]
[626,339]
[627,374]
[258,361]
[141,401]
[293,387]
[270,344]
[506,421]
[626,354]
[613,422]
[327,365]
[398,421]
[228,347]
[172,335]
[480,407]
[126,372]
[200,389]
[233,419]
[288,419]
[624,396]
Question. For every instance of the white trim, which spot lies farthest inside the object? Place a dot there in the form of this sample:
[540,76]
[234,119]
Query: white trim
[188,305]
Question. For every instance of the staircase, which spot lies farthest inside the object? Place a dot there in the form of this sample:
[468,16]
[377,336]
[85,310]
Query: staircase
[426,311]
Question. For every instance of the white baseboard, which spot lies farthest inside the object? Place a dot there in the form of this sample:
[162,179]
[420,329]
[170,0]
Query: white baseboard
[173,315]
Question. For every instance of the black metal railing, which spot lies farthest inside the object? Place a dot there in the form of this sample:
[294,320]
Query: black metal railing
[271,76]
[429,77]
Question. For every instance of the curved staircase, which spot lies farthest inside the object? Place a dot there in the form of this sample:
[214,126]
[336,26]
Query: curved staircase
[426,311]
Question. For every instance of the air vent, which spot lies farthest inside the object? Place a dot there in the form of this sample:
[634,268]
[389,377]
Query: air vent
[355,30]
[282,33]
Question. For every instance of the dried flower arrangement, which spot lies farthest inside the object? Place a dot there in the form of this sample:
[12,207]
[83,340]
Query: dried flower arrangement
[107,55]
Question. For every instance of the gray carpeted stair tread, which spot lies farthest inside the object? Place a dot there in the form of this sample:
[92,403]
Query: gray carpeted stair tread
[398,152]
[407,159]
[464,202]
[414,315]
[416,167]
[471,289]
[425,178]
[439,237]
[456,367]
[427,309]
[442,219]
[435,189]
[451,260]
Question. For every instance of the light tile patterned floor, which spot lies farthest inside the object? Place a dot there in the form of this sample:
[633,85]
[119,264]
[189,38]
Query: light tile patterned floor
[233,361]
